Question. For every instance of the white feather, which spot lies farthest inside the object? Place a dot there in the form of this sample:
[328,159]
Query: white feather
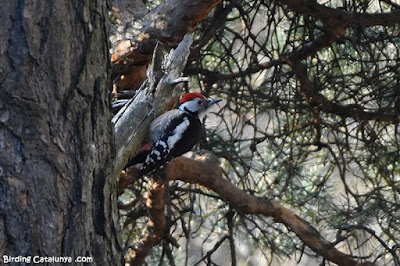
[196,105]
[158,154]
[177,133]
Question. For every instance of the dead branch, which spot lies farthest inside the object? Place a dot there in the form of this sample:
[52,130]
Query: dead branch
[157,96]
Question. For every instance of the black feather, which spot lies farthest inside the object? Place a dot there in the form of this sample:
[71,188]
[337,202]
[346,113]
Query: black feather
[161,153]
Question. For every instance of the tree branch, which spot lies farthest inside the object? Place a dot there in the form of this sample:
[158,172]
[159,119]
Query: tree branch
[156,96]
[315,99]
[214,76]
[168,23]
[204,169]
[155,226]
[339,19]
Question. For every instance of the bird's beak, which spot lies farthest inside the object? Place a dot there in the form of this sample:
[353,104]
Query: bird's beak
[211,102]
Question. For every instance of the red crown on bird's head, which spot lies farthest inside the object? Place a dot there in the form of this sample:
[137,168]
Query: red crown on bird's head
[190,96]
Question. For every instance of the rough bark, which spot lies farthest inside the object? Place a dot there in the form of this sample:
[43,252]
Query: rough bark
[55,132]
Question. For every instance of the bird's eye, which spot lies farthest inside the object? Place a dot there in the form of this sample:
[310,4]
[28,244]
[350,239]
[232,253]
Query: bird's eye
[199,102]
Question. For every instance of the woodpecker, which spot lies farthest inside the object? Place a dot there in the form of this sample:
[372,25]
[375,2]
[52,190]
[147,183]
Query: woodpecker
[172,134]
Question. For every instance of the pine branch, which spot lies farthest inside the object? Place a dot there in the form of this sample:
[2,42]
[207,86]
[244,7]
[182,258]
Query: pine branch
[204,169]
[155,226]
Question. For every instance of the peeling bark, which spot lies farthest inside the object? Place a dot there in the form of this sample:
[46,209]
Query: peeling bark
[168,23]
[157,96]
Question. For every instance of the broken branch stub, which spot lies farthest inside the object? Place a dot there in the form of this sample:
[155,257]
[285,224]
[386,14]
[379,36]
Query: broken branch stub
[155,97]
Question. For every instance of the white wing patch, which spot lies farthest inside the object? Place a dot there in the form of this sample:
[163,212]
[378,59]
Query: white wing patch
[178,132]
[162,143]
[158,154]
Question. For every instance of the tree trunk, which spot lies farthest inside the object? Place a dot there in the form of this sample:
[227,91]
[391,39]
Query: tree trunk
[56,138]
